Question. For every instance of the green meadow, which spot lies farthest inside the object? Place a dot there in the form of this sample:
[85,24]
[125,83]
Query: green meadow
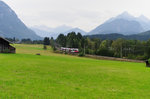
[25,75]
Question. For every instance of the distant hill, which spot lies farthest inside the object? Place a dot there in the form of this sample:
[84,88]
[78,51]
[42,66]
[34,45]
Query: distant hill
[113,36]
[124,23]
[41,33]
[59,29]
[11,26]
[44,31]
[76,30]
[147,33]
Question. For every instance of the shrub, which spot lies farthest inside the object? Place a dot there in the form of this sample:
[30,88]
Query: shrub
[131,56]
[149,60]
[54,48]
[81,54]
[141,57]
[44,47]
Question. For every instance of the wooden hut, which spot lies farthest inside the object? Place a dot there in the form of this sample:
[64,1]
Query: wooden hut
[5,46]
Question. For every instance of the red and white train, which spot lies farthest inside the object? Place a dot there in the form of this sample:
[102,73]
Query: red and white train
[70,50]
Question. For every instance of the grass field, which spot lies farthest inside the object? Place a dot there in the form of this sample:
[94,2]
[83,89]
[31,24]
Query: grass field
[54,76]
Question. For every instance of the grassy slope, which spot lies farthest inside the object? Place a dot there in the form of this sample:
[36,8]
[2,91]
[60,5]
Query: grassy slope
[54,76]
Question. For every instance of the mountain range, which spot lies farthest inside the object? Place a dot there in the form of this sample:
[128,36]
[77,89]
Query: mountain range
[44,31]
[124,23]
[11,26]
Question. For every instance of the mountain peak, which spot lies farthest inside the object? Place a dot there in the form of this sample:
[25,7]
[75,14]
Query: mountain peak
[76,30]
[125,15]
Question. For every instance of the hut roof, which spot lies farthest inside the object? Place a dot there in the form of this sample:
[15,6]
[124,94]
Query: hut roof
[5,40]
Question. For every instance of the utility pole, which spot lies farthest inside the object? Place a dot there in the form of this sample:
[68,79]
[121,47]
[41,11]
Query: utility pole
[84,49]
[121,51]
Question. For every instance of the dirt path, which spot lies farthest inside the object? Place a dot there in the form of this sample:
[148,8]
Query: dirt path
[113,58]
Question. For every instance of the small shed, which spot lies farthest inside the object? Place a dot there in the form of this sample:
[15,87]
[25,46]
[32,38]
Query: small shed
[5,46]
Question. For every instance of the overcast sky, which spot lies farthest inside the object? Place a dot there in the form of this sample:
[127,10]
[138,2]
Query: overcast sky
[85,14]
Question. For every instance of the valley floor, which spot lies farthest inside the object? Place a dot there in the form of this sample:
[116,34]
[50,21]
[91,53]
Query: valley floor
[25,75]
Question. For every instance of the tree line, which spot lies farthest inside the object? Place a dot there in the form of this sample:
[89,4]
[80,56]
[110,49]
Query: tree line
[25,41]
[121,48]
